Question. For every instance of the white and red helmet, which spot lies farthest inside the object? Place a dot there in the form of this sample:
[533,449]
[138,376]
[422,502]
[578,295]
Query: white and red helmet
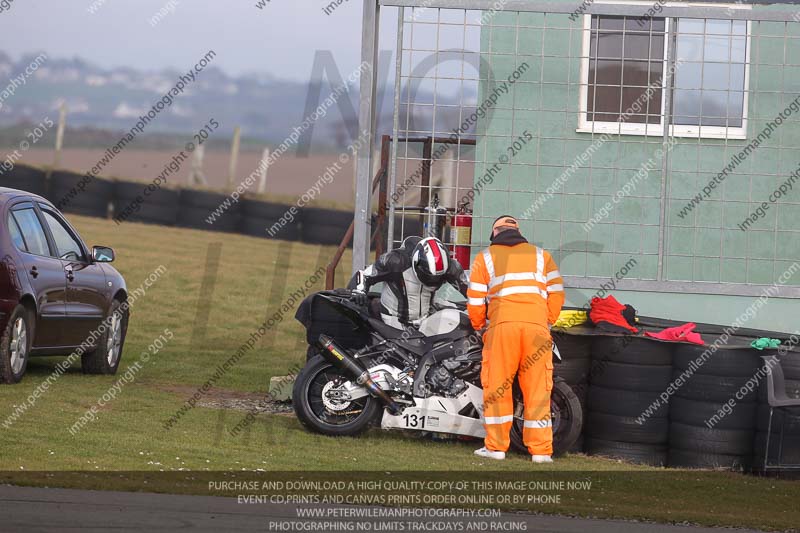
[430,261]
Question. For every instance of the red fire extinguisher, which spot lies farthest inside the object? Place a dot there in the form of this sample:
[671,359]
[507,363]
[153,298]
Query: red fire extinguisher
[461,235]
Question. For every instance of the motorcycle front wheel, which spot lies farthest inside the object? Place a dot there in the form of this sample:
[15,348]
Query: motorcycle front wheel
[314,402]
[565,411]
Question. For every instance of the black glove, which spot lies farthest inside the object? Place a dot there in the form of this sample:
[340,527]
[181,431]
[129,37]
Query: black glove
[359,298]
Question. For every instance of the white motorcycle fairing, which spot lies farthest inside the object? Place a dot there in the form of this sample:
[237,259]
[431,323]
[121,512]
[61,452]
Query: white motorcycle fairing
[440,414]
[435,413]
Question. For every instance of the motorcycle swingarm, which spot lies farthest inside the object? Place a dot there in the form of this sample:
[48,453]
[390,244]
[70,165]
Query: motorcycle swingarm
[378,374]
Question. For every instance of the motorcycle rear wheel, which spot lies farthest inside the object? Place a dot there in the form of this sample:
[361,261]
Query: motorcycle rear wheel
[334,419]
[566,413]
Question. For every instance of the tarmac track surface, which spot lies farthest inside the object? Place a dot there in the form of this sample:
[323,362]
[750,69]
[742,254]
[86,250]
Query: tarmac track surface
[25,509]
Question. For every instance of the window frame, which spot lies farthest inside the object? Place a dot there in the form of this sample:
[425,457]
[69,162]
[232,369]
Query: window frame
[28,204]
[11,219]
[69,229]
[650,130]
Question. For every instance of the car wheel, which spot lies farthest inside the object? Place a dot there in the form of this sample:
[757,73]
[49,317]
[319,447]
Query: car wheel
[106,357]
[15,346]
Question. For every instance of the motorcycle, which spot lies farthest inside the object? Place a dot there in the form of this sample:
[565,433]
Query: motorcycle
[426,378]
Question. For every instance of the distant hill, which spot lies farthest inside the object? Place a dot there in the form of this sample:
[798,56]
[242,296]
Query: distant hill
[110,100]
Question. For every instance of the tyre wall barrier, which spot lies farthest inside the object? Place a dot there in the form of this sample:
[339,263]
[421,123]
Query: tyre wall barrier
[75,193]
[191,208]
[574,367]
[131,204]
[713,412]
[25,178]
[271,221]
[576,359]
[208,210]
[325,226]
[628,375]
[646,454]
[405,226]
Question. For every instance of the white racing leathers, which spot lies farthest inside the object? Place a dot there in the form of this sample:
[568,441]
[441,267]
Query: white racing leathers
[405,300]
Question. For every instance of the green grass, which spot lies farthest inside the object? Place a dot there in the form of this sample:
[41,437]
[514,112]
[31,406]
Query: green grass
[255,278]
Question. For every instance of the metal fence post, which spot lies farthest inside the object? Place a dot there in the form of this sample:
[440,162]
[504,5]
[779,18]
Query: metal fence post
[62,123]
[234,157]
[366,127]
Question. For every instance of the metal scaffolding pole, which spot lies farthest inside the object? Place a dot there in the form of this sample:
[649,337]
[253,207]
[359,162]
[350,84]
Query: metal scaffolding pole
[366,128]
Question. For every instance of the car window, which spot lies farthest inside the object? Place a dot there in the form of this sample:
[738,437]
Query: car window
[68,246]
[32,231]
[16,234]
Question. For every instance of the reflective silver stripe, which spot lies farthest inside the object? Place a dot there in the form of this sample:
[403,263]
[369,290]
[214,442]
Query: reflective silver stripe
[498,419]
[476,301]
[480,287]
[553,275]
[557,287]
[540,262]
[487,258]
[517,276]
[520,290]
[538,424]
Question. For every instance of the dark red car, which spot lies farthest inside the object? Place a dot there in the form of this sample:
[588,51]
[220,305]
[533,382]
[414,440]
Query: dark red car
[57,297]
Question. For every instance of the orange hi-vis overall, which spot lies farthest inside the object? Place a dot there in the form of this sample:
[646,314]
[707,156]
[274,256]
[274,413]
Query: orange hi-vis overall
[520,288]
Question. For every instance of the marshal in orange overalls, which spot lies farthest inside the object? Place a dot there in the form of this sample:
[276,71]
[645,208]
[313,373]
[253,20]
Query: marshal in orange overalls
[519,287]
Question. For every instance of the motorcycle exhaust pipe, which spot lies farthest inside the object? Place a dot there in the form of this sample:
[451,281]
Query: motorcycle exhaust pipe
[356,371]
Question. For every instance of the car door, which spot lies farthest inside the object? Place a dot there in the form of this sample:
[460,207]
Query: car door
[86,282]
[45,273]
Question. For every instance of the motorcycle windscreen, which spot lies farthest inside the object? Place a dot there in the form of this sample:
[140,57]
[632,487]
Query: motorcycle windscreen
[440,322]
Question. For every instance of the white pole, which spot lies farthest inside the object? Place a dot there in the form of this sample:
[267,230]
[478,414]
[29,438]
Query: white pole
[234,157]
[62,123]
[262,181]
[196,175]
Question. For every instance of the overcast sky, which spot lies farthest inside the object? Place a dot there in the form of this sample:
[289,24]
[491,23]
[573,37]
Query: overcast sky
[279,39]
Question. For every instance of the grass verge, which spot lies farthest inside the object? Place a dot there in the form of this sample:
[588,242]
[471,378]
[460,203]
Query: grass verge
[211,316]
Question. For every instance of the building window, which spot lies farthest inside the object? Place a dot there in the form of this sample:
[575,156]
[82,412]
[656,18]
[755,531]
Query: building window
[624,64]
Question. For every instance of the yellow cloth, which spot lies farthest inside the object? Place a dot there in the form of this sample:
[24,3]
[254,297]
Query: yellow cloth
[571,317]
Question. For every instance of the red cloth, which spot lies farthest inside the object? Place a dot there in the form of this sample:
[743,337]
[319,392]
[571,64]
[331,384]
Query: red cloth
[609,310]
[679,333]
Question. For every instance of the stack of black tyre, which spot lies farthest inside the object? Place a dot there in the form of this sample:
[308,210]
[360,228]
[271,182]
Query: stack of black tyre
[157,206]
[24,178]
[76,193]
[712,417]
[574,367]
[325,226]
[624,421]
[405,226]
[198,208]
[790,454]
[259,218]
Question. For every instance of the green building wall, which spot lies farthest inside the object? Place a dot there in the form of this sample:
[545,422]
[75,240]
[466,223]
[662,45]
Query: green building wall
[705,246]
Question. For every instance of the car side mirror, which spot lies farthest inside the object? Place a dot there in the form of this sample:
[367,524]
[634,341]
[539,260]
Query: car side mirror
[102,254]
